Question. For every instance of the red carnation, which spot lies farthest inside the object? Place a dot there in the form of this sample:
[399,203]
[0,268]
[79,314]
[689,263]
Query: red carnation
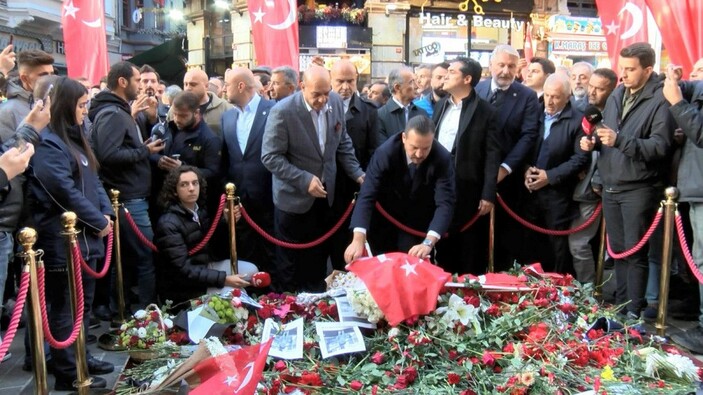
[355,385]
[377,358]
[453,378]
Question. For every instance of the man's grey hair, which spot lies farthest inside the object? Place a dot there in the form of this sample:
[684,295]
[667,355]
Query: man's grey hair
[587,65]
[395,77]
[559,79]
[289,75]
[172,91]
[504,48]
[423,67]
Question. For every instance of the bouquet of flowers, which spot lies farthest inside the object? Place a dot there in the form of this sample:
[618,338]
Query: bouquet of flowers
[326,14]
[146,328]
[228,308]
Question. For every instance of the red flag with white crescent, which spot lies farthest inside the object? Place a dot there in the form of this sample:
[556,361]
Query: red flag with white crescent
[237,373]
[84,39]
[274,27]
[625,23]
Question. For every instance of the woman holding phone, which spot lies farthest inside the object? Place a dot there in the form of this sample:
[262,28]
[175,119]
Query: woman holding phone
[64,178]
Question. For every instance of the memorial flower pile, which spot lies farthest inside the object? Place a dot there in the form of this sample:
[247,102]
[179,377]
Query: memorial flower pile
[146,328]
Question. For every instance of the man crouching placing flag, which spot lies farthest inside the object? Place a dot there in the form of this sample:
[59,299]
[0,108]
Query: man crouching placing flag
[412,178]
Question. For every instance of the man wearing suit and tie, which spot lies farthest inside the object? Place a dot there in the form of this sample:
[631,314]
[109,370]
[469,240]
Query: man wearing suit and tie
[518,112]
[304,139]
[243,131]
[393,116]
[412,177]
[556,161]
[466,127]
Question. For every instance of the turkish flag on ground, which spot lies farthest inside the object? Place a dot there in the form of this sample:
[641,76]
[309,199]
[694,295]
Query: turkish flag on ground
[238,372]
[625,23]
[681,29]
[403,286]
[274,26]
[84,39]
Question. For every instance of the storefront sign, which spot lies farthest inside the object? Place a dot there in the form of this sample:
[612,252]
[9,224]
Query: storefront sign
[428,50]
[575,25]
[579,46]
[331,36]
[499,23]
[428,19]
[20,43]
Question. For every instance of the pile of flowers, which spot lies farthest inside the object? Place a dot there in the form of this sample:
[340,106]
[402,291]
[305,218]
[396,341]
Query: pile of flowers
[326,14]
[146,328]
[553,339]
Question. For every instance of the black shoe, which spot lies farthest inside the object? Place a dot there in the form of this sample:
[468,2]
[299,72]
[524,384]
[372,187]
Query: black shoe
[27,365]
[650,313]
[94,323]
[91,339]
[98,367]
[684,310]
[103,313]
[67,385]
[691,339]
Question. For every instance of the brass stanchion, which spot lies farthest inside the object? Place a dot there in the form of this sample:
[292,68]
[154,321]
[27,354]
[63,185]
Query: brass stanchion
[671,194]
[27,238]
[491,240]
[229,190]
[114,195]
[600,262]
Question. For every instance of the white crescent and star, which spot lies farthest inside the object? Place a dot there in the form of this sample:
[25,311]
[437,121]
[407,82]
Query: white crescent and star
[71,10]
[286,23]
[637,19]
[409,268]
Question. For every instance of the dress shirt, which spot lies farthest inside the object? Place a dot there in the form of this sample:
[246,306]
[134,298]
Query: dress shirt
[346,104]
[548,121]
[245,121]
[319,119]
[406,109]
[449,125]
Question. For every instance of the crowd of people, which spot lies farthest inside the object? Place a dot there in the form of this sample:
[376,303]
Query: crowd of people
[435,147]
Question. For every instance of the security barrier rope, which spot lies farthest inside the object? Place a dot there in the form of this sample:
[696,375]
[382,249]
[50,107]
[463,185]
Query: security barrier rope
[106,265]
[16,315]
[297,246]
[551,232]
[194,250]
[80,302]
[641,243]
[415,232]
[684,247]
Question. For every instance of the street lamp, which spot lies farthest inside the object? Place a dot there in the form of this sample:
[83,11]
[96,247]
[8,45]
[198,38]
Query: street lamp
[222,4]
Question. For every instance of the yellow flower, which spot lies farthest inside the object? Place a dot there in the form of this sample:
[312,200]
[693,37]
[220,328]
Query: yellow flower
[527,378]
[607,373]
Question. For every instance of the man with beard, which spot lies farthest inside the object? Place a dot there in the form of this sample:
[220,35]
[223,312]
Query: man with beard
[580,76]
[284,82]
[211,106]
[436,93]
[124,165]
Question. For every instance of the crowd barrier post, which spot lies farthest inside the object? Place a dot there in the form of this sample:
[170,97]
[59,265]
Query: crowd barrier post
[671,194]
[115,195]
[231,201]
[600,261]
[27,237]
[491,240]
[68,220]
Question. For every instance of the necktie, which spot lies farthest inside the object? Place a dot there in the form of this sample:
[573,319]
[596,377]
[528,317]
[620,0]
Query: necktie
[407,113]
[495,98]
[411,170]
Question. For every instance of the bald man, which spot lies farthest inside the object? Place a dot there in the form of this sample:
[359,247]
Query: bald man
[211,106]
[304,139]
[361,119]
[243,131]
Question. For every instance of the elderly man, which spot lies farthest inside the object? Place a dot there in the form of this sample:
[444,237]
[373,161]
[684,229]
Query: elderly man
[394,115]
[243,131]
[555,163]
[304,139]
[423,75]
[580,76]
[379,93]
[211,106]
[284,82]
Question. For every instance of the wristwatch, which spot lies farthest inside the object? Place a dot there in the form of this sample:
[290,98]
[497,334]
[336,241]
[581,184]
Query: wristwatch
[427,242]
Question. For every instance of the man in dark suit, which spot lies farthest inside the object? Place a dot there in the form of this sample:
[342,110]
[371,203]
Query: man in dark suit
[556,162]
[518,113]
[412,177]
[243,131]
[466,127]
[304,138]
[393,116]
[361,120]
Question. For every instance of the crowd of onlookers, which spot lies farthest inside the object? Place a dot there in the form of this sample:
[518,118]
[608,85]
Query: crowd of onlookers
[436,147]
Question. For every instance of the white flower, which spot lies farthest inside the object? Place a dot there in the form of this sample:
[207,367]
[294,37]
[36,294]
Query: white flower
[123,327]
[458,310]
[668,365]
[393,332]
[141,332]
[140,314]
[168,323]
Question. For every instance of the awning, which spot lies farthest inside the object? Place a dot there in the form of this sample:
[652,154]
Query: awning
[168,59]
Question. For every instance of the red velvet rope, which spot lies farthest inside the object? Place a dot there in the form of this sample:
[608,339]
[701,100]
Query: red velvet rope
[16,315]
[108,259]
[686,252]
[194,250]
[641,243]
[79,307]
[297,246]
[416,232]
[546,231]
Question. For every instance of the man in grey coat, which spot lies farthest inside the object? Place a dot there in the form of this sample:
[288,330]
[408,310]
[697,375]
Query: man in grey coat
[304,139]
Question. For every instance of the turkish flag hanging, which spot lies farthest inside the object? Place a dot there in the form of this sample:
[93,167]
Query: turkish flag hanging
[84,39]
[237,373]
[274,26]
[625,23]
[681,29]
[403,286]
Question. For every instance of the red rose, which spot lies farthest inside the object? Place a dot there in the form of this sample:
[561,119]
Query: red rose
[377,358]
[280,366]
[453,378]
[355,385]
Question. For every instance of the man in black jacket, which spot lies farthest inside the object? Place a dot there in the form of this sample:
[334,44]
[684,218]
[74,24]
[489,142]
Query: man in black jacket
[634,141]
[467,128]
[555,162]
[394,115]
[124,165]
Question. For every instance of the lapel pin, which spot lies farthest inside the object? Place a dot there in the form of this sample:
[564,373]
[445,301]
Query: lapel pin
[263,113]
[514,94]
